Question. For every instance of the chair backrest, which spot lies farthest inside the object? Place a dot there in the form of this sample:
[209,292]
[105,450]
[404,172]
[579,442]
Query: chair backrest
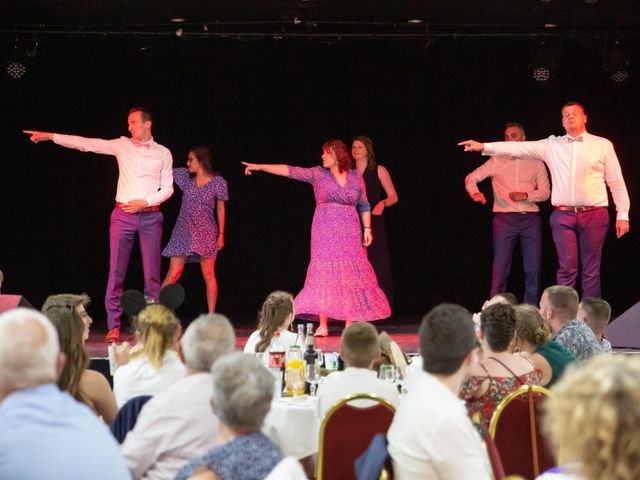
[346,432]
[494,457]
[127,417]
[515,429]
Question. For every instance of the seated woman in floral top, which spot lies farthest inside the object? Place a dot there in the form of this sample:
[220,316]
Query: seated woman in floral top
[499,371]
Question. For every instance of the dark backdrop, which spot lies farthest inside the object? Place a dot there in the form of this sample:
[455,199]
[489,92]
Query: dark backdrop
[278,102]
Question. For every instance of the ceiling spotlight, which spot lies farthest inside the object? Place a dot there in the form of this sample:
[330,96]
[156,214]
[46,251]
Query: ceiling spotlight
[415,21]
[617,66]
[178,19]
[15,70]
[20,60]
[542,65]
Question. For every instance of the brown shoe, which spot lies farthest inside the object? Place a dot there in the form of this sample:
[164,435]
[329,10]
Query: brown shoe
[113,336]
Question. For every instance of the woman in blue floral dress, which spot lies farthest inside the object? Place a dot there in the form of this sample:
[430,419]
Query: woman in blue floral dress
[196,235]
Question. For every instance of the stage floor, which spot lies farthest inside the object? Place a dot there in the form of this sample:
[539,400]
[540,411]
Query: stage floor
[402,330]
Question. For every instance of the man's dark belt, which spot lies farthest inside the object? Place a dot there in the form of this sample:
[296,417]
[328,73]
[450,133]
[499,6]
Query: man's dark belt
[154,208]
[563,208]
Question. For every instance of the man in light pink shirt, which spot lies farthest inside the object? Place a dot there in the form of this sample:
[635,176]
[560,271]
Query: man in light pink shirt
[517,186]
[582,166]
[145,181]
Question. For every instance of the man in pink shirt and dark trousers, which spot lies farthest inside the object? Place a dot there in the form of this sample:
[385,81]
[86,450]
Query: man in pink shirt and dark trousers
[582,165]
[517,186]
[145,181]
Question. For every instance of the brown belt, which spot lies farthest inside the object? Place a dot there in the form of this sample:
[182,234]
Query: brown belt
[563,208]
[154,208]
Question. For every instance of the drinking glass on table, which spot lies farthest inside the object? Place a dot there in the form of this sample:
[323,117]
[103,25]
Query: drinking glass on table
[388,373]
[312,375]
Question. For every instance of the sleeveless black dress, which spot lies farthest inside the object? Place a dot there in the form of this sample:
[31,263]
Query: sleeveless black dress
[378,251]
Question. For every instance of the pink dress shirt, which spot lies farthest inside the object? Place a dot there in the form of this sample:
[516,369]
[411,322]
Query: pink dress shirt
[580,170]
[512,175]
[145,168]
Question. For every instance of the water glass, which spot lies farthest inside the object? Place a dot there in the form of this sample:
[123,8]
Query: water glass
[312,375]
[388,373]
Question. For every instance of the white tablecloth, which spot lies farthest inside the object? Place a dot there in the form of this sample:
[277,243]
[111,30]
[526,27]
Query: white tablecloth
[293,426]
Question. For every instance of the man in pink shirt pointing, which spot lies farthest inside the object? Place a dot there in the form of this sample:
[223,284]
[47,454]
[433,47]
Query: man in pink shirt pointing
[582,166]
[145,181]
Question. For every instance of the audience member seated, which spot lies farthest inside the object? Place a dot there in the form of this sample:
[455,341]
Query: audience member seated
[276,315]
[500,371]
[431,435]
[45,433]
[559,307]
[359,349]
[596,313]
[593,421]
[242,394]
[153,366]
[68,314]
[504,297]
[533,339]
[177,425]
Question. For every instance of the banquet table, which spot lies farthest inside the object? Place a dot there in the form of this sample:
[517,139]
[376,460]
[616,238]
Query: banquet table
[292,424]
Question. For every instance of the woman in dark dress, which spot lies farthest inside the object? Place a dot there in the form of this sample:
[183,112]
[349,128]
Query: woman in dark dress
[381,194]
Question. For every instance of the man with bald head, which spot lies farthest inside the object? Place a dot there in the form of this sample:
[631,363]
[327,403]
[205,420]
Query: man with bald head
[45,432]
[517,186]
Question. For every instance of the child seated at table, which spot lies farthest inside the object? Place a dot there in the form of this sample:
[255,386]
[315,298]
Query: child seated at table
[359,350]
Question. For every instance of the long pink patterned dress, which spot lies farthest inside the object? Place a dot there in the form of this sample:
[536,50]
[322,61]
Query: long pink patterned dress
[340,283]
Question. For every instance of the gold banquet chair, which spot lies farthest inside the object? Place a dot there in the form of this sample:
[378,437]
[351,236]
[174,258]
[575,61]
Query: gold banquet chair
[346,431]
[515,429]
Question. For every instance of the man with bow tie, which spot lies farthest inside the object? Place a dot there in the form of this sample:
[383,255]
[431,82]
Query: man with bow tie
[144,182]
[581,166]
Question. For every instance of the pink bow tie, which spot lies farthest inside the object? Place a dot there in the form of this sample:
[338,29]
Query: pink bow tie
[577,139]
[140,144]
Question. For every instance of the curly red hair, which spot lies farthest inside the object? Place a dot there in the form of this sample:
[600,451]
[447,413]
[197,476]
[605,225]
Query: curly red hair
[339,148]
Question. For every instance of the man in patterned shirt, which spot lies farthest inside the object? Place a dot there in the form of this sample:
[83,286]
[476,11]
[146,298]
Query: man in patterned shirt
[559,306]
[596,313]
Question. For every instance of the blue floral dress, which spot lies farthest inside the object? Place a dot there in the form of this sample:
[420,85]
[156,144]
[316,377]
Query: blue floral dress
[195,233]
[247,457]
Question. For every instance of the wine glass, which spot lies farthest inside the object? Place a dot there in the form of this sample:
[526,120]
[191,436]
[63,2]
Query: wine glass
[312,375]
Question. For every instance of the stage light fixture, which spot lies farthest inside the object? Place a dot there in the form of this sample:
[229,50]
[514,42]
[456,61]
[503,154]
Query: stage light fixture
[618,65]
[542,65]
[20,59]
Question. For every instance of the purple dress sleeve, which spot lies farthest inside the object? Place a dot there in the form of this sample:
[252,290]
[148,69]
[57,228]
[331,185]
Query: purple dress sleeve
[301,174]
[363,204]
[220,189]
[180,177]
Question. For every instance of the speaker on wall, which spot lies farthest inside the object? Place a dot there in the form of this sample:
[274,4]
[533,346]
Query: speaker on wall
[624,331]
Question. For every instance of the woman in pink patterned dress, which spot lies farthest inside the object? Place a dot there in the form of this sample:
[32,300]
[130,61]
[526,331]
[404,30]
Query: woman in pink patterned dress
[340,282]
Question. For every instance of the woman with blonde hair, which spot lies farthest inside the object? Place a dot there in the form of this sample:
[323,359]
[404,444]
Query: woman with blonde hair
[593,421]
[153,364]
[276,315]
[533,339]
[71,320]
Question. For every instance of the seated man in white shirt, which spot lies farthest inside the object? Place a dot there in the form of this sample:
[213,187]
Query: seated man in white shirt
[359,350]
[177,425]
[431,435]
